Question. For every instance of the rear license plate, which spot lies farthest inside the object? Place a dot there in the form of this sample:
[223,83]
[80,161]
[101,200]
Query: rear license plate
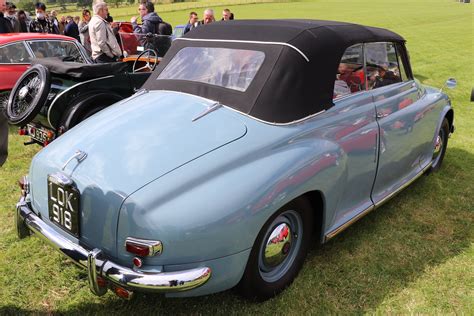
[38,133]
[63,204]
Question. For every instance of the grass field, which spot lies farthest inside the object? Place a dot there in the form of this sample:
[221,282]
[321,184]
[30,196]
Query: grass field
[413,255]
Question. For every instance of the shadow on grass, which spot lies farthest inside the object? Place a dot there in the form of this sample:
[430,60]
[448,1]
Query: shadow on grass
[420,77]
[374,259]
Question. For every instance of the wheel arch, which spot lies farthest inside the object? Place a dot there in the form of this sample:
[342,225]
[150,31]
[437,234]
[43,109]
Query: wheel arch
[450,116]
[317,202]
[86,102]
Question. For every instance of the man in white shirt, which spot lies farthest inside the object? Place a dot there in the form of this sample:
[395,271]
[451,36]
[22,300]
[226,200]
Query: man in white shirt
[104,45]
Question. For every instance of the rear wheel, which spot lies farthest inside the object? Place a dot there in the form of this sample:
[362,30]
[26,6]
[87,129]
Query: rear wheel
[278,252]
[440,145]
[28,95]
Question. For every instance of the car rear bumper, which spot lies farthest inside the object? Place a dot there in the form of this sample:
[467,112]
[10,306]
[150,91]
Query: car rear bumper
[103,273]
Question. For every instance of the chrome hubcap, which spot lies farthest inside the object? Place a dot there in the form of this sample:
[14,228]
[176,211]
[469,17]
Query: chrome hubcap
[23,92]
[278,245]
[438,145]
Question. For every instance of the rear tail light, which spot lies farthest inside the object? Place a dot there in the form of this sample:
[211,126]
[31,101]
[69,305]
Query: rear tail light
[22,131]
[143,247]
[137,262]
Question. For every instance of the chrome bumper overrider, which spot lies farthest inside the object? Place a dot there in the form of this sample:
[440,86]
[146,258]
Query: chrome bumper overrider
[99,267]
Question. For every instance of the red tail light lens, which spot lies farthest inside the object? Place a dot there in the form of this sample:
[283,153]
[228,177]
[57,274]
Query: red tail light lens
[143,247]
[139,250]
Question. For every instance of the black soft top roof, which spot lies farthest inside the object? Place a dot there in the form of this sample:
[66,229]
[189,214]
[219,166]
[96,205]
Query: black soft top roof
[297,76]
[60,66]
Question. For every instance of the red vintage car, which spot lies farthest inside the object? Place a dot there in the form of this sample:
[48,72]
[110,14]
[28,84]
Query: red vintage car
[18,49]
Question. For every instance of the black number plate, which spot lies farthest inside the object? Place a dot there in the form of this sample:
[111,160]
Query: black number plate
[63,205]
[38,133]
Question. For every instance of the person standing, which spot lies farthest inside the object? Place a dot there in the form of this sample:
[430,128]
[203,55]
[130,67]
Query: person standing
[10,14]
[53,17]
[84,30]
[192,23]
[104,45]
[227,15]
[71,28]
[208,17]
[22,20]
[5,27]
[62,24]
[42,24]
[150,20]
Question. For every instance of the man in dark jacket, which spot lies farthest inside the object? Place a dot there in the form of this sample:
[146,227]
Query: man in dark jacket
[71,29]
[152,23]
[42,24]
[5,27]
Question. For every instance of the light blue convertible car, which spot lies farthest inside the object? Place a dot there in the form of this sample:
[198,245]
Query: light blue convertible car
[250,138]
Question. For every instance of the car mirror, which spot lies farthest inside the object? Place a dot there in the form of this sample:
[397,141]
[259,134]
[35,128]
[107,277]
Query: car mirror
[472,95]
[451,83]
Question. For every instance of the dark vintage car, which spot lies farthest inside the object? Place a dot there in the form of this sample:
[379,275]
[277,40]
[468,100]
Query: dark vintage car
[239,149]
[55,94]
[17,50]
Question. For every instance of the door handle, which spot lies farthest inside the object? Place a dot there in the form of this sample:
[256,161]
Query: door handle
[381,115]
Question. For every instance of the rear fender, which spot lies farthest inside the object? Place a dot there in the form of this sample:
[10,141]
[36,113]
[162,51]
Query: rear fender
[115,84]
[203,211]
[84,104]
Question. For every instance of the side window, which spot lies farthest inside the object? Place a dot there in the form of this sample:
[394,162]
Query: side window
[403,72]
[14,54]
[382,65]
[62,49]
[350,76]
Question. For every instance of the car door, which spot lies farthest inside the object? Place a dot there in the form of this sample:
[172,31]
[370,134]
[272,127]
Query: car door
[402,138]
[356,132]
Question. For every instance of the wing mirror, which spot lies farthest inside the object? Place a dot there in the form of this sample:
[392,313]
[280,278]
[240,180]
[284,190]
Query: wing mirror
[472,95]
[451,83]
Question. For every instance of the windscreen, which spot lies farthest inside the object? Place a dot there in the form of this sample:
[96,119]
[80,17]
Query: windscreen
[225,67]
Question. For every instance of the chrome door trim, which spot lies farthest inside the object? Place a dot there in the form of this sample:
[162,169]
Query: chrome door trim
[341,228]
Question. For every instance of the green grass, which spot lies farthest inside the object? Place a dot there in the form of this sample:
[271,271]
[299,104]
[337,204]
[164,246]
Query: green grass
[413,255]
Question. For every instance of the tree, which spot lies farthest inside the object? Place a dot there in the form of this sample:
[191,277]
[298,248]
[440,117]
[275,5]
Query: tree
[27,5]
[84,3]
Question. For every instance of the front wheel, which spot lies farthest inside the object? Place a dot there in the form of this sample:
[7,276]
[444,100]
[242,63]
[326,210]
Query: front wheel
[278,252]
[440,145]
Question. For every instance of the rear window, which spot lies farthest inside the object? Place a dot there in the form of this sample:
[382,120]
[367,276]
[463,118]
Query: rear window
[229,68]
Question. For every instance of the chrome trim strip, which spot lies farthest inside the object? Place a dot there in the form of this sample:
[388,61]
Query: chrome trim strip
[341,228]
[160,282]
[403,186]
[71,87]
[240,41]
